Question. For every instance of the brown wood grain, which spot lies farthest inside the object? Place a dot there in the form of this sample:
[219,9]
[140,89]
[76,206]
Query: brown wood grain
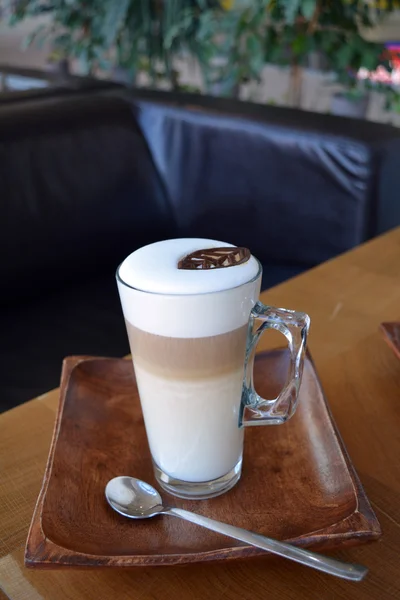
[347,299]
[298,484]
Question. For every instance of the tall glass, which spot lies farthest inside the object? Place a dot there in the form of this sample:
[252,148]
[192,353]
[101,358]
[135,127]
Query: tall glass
[196,388]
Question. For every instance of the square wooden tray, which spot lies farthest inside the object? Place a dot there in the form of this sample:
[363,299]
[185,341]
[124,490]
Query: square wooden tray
[298,483]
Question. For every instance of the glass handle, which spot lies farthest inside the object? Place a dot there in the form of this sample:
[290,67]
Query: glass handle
[294,326]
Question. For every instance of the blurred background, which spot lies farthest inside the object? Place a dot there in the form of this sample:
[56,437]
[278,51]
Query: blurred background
[338,57]
[268,124]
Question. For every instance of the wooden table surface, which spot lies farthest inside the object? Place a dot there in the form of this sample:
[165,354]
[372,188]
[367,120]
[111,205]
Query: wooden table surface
[346,298]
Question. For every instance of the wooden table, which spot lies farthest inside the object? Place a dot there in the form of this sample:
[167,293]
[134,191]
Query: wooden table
[347,298]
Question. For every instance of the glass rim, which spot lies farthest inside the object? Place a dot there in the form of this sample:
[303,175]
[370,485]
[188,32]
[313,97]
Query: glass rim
[119,279]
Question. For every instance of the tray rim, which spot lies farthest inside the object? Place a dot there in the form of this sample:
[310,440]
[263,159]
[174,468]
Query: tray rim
[360,526]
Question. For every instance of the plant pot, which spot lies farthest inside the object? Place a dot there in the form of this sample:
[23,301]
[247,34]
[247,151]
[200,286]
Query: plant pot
[343,106]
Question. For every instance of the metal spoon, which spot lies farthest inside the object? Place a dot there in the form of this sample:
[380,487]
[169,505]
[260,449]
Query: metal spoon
[136,499]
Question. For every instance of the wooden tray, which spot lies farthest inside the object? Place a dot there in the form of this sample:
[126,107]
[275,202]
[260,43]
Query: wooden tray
[298,483]
[391,334]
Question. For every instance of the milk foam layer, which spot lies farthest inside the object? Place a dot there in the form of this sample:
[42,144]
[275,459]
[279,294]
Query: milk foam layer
[154,268]
[159,298]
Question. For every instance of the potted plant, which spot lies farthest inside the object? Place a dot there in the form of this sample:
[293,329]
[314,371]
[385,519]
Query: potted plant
[231,40]
[291,33]
[123,37]
[351,54]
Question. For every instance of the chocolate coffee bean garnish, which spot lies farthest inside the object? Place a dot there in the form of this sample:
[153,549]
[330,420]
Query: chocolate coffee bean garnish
[215,258]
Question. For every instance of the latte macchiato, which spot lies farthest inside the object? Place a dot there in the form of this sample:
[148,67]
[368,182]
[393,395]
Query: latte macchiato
[187,331]
[191,307]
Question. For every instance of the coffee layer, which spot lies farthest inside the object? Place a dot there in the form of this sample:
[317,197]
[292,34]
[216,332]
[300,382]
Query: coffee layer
[188,358]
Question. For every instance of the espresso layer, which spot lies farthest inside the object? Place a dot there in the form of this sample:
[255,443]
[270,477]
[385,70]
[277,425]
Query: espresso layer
[188,358]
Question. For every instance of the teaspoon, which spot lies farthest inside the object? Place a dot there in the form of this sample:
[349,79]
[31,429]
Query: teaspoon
[136,499]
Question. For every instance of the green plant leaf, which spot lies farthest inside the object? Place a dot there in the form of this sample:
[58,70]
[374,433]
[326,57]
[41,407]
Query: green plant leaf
[308,8]
[370,58]
[253,44]
[344,56]
[291,9]
[115,14]
[300,44]
[153,33]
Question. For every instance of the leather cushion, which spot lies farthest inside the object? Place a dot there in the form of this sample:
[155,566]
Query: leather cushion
[291,196]
[79,191]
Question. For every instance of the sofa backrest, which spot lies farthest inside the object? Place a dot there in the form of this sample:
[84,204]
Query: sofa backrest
[295,187]
[78,191]
[85,179]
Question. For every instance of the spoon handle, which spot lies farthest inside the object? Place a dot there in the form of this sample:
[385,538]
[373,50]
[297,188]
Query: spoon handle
[326,564]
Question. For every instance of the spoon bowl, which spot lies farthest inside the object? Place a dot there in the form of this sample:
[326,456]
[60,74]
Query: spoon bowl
[133,498]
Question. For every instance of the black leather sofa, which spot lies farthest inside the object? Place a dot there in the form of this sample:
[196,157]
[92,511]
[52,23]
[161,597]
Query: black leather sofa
[86,178]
